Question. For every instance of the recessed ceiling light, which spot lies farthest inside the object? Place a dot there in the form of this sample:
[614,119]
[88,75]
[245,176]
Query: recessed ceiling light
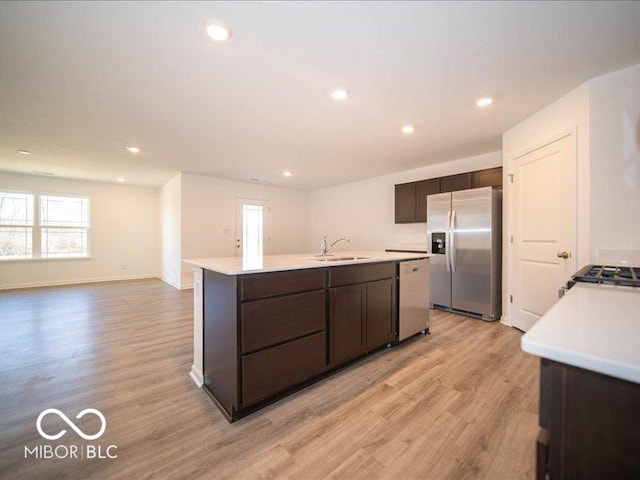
[24,152]
[218,32]
[121,179]
[408,129]
[133,149]
[287,173]
[484,102]
[340,94]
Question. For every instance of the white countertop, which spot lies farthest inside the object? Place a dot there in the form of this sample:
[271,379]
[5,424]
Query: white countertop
[595,327]
[299,261]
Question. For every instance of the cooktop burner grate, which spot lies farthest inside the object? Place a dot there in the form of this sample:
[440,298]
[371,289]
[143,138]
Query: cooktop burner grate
[625,276]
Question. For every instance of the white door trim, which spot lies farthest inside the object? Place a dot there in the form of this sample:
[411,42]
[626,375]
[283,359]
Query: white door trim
[544,143]
[509,195]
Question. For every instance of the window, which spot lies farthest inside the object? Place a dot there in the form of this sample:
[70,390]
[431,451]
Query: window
[252,238]
[16,225]
[63,223]
[64,226]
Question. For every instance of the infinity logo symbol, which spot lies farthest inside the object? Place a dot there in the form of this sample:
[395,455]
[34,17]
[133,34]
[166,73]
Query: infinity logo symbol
[71,424]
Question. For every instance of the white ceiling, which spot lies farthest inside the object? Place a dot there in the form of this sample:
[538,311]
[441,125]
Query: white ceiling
[80,81]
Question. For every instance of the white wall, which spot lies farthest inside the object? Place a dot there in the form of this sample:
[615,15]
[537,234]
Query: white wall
[123,231]
[364,211]
[567,114]
[170,199]
[209,218]
[615,167]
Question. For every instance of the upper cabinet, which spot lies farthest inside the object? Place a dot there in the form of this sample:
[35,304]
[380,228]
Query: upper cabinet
[453,183]
[411,198]
[424,188]
[406,202]
[491,177]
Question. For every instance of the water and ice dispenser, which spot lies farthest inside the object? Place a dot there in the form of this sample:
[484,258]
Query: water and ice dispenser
[438,243]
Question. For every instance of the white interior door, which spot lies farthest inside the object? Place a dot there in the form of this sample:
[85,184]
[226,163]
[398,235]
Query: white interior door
[544,228]
[253,237]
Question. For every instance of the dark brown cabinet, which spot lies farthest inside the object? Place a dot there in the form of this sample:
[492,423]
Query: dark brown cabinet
[590,425]
[406,202]
[411,201]
[380,313]
[362,315]
[268,334]
[275,320]
[424,188]
[346,323]
[491,177]
[275,369]
[453,183]
[263,334]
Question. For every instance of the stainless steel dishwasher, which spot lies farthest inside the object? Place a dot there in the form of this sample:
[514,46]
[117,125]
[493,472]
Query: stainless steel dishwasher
[414,298]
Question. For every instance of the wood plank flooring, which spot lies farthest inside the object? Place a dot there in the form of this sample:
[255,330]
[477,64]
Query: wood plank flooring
[460,403]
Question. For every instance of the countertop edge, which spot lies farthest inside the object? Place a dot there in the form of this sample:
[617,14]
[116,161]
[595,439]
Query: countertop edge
[373,257]
[592,363]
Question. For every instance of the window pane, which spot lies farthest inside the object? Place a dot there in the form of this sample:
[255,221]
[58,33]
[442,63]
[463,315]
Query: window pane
[64,242]
[252,230]
[16,208]
[15,242]
[64,211]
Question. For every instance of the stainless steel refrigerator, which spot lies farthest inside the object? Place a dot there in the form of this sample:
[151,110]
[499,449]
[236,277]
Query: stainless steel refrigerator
[464,230]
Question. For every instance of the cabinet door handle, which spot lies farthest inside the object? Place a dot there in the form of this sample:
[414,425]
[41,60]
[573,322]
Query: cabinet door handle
[563,255]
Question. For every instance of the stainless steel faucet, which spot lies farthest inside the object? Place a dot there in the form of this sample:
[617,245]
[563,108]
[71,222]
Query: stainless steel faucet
[324,250]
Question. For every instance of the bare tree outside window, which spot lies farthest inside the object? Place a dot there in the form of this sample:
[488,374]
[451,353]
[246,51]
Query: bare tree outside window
[16,225]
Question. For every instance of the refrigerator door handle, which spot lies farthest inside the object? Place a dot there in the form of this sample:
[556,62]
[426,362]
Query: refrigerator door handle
[447,242]
[452,247]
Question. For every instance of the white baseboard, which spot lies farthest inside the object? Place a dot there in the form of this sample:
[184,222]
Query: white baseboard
[187,286]
[505,321]
[74,282]
[173,284]
[196,376]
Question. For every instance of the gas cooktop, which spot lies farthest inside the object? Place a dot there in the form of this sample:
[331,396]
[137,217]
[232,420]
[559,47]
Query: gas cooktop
[601,274]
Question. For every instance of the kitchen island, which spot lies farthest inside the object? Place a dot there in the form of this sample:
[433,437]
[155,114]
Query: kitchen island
[267,326]
[589,344]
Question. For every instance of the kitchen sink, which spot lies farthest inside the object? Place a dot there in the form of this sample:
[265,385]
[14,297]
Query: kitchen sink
[338,259]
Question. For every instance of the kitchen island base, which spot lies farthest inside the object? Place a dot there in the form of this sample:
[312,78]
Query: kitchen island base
[268,335]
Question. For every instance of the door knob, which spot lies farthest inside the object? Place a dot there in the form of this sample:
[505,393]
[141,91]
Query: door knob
[563,254]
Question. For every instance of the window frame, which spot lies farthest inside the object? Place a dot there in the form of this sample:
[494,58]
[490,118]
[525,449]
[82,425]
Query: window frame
[33,226]
[42,227]
[37,229]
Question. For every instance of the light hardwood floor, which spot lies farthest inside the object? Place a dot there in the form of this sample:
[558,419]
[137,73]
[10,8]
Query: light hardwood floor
[458,404]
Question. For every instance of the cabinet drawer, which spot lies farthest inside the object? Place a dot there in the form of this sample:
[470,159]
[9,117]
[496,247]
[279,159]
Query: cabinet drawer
[262,285]
[276,320]
[351,274]
[275,369]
